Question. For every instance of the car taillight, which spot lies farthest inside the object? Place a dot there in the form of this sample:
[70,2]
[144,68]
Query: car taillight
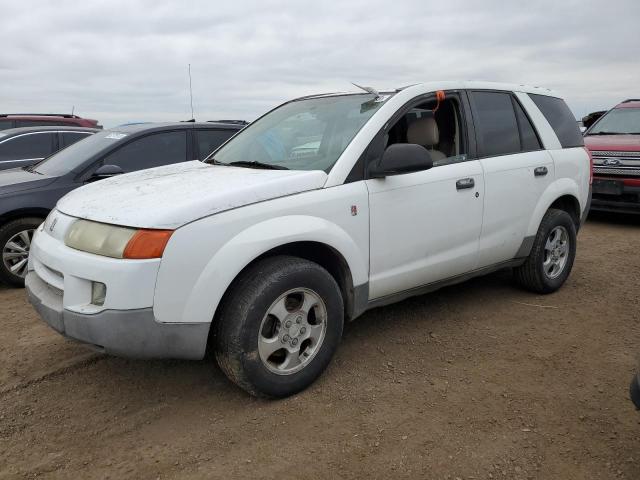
[590,165]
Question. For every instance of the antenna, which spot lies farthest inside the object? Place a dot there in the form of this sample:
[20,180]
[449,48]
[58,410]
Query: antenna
[191,92]
[73,107]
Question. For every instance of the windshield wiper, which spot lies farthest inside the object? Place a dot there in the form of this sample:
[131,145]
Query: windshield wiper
[254,164]
[606,133]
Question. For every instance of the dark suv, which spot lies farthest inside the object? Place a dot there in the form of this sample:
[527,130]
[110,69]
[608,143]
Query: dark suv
[614,143]
[28,194]
[17,120]
[21,147]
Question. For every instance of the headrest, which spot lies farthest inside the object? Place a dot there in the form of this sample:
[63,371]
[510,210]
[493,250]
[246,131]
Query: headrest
[423,131]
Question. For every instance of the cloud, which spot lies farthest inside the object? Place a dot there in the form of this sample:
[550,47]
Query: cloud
[124,61]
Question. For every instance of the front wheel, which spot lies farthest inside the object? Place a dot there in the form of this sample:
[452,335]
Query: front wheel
[279,326]
[551,258]
[15,243]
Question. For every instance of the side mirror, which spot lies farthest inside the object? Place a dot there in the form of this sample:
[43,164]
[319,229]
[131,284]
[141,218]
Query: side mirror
[401,158]
[106,171]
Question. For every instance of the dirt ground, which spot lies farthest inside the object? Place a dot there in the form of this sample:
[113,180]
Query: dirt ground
[480,380]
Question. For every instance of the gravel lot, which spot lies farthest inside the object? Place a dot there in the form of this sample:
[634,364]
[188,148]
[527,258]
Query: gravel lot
[479,380]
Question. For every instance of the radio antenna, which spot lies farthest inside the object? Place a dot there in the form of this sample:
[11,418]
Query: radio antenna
[73,108]
[191,93]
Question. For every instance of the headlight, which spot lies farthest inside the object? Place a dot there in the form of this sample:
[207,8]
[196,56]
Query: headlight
[117,242]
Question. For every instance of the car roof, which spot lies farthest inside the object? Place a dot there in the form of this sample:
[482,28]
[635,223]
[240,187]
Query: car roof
[58,128]
[629,103]
[152,127]
[55,116]
[452,85]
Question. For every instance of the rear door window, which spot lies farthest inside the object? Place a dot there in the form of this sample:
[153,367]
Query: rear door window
[209,140]
[495,122]
[528,136]
[557,113]
[69,138]
[153,150]
[4,124]
[30,146]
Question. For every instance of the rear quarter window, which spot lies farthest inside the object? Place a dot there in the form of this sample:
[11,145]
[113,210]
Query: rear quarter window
[557,113]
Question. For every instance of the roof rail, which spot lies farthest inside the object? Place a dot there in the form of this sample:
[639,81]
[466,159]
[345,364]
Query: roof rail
[631,100]
[65,115]
[234,122]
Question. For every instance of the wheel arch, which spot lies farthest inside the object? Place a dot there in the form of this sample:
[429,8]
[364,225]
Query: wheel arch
[23,213]
[563,195]
[312,238]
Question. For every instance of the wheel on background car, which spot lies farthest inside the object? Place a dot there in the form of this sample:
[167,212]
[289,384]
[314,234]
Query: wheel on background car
[551,258]
[15,243]
[279,326]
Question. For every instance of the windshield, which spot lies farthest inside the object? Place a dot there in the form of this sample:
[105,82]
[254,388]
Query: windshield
[76,155]
[618,121]
[306,134]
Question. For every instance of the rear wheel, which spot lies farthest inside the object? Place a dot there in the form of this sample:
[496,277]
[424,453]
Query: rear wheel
[15,243]
[279,326]
[551,257]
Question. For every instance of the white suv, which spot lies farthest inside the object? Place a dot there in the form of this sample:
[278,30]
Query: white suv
[325,207]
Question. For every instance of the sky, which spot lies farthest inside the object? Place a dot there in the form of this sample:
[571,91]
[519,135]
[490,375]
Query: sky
[126,61]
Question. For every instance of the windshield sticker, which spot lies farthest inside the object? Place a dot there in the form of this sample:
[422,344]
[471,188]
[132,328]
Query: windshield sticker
[116,135]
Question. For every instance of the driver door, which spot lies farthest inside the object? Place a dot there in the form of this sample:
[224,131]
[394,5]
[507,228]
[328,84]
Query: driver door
[425,226]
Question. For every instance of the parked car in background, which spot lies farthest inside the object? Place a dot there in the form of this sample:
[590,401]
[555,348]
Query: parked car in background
[591,118]
[21,147]
[614,142]
[323,208]
[17,120]
[634,390]
[27,195]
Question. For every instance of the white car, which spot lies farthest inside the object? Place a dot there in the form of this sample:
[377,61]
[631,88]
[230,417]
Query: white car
[261,253]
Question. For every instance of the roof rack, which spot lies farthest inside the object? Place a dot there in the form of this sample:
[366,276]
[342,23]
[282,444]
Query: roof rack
[631,100]
[234,122]
[64,115]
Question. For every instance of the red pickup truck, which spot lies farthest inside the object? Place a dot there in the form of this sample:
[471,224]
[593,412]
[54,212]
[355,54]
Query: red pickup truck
[614,142]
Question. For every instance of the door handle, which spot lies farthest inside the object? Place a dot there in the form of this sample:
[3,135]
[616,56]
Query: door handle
[540,171]
[465,183]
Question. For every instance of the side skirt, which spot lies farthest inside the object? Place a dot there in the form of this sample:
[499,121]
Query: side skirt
[431,287]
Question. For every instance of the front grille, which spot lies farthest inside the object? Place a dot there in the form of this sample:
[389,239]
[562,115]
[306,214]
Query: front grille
[625,171]
[611,153]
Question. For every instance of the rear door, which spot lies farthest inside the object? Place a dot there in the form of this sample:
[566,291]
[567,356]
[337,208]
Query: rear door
[26,149]
[152,150]
[516,172]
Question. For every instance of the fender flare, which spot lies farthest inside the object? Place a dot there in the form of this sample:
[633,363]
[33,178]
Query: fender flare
[223,268]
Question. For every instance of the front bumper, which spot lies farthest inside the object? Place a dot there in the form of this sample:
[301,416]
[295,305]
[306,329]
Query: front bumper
[129,333]
[625,200]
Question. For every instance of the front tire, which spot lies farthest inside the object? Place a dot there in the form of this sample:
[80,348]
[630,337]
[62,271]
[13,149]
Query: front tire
[279,326]
[551,258]
[15,243]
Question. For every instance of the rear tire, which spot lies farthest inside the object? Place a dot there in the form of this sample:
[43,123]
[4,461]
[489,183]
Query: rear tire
[551,258]
[279,326]
[15,243]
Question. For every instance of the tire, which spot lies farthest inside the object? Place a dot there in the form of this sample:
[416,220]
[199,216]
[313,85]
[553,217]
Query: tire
[540,273]
[246,331]
[15,242]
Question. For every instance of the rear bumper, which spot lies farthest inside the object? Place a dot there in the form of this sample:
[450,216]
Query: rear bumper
[128,333]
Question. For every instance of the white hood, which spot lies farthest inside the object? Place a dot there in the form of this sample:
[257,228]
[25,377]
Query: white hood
[171,196]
